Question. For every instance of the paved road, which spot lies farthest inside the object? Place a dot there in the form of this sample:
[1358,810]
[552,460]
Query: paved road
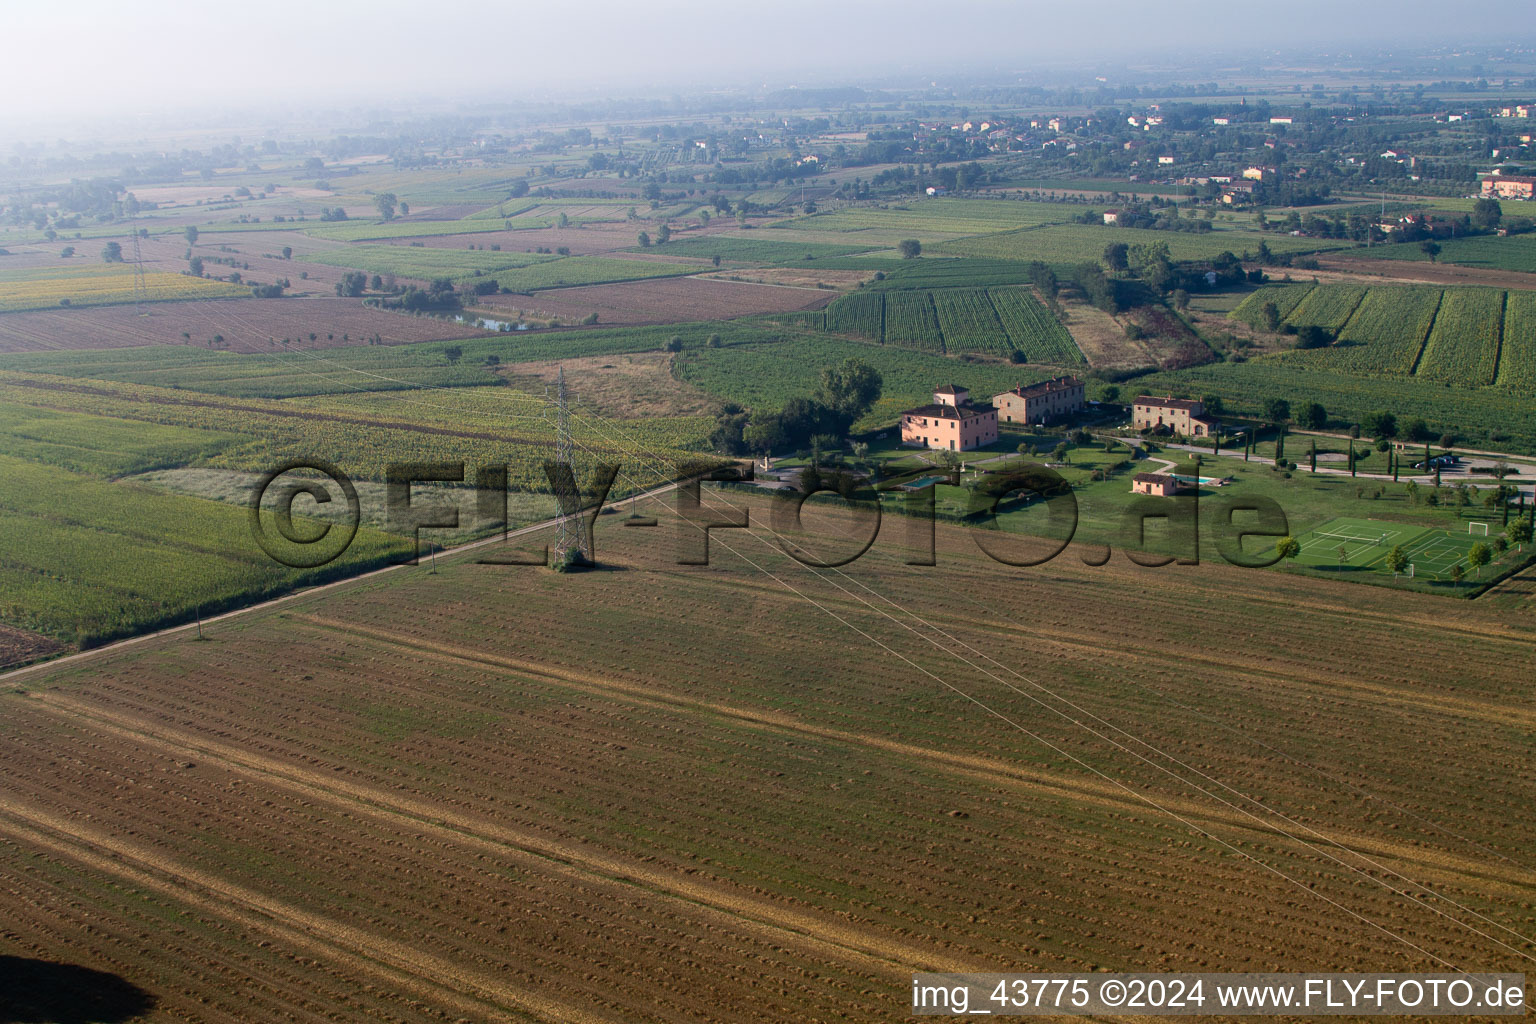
[1457,474]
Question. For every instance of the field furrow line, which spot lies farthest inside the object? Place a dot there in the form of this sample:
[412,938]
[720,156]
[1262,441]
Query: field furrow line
[1419,357]
[390,961]
[983,769]
[779,925]
[1460,707]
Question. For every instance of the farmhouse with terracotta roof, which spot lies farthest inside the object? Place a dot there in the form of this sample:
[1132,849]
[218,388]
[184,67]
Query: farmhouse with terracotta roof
[1509,186]
[1176,415]
[1040,403]
[1159,485]
[953,422]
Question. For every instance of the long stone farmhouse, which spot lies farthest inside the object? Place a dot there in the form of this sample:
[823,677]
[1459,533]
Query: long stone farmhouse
[1043,402]
[1178,415]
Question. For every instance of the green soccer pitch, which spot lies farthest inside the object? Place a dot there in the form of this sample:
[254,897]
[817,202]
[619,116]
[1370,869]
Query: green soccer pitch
[1363,544]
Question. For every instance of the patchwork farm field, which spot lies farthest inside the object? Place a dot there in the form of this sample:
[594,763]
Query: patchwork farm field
[800,842]
[994,321]
[1515,252]
[1467,338]
[662,300]
[1077,243]
[768,373]
[101,284]
[579,270]
[421,262]
[245,325]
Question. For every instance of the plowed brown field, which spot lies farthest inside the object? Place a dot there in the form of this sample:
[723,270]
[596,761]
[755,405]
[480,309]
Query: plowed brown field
[247,325]
[666,300]
[757,792]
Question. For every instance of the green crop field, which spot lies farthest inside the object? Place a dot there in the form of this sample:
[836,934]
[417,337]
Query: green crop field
[860,313]
[767,374]
[1463,347]
[952,273]
[1286,298]
[1387,331]
[1480,416]
[1470,337]
[995,321]
[87,560]
[578,270]
[910,321]
[753,249]
[1517,356]
[367,231]
[360,368]
[1512,252]
[101,445]
[969,323]
[422,262]
[503,211]
[1077,243]
[1034,330]
[938,216]
[1329,308]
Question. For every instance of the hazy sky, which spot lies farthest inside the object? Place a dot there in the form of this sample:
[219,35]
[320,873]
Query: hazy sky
[106,56]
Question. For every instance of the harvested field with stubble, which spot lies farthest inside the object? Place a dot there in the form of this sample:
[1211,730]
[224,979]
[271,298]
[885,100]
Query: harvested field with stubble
[247,325]
[626,386]
[757,792]
[18,646]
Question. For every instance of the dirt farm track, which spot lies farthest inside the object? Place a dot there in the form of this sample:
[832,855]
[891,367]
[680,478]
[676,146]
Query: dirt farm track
[755,791]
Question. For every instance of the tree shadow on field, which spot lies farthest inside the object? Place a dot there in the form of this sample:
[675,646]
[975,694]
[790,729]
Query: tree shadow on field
[47,992]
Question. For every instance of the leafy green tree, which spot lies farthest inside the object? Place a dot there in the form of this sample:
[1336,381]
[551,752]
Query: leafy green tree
[1457,574]
[1314,416]
[287,252]
[1430,249]
[645,239]
[849,389]
[1520,532]
[453,354]
[1397,560]
[910,248]
[352,284]
[1381,424]
[664,234]
[1486,214]
[1110,394]
[1269,315]
[112,252]
[1277,410]
[1287,547]
[191,234]
[195,265]
[1117,257]
[1480,555]
[385,203]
